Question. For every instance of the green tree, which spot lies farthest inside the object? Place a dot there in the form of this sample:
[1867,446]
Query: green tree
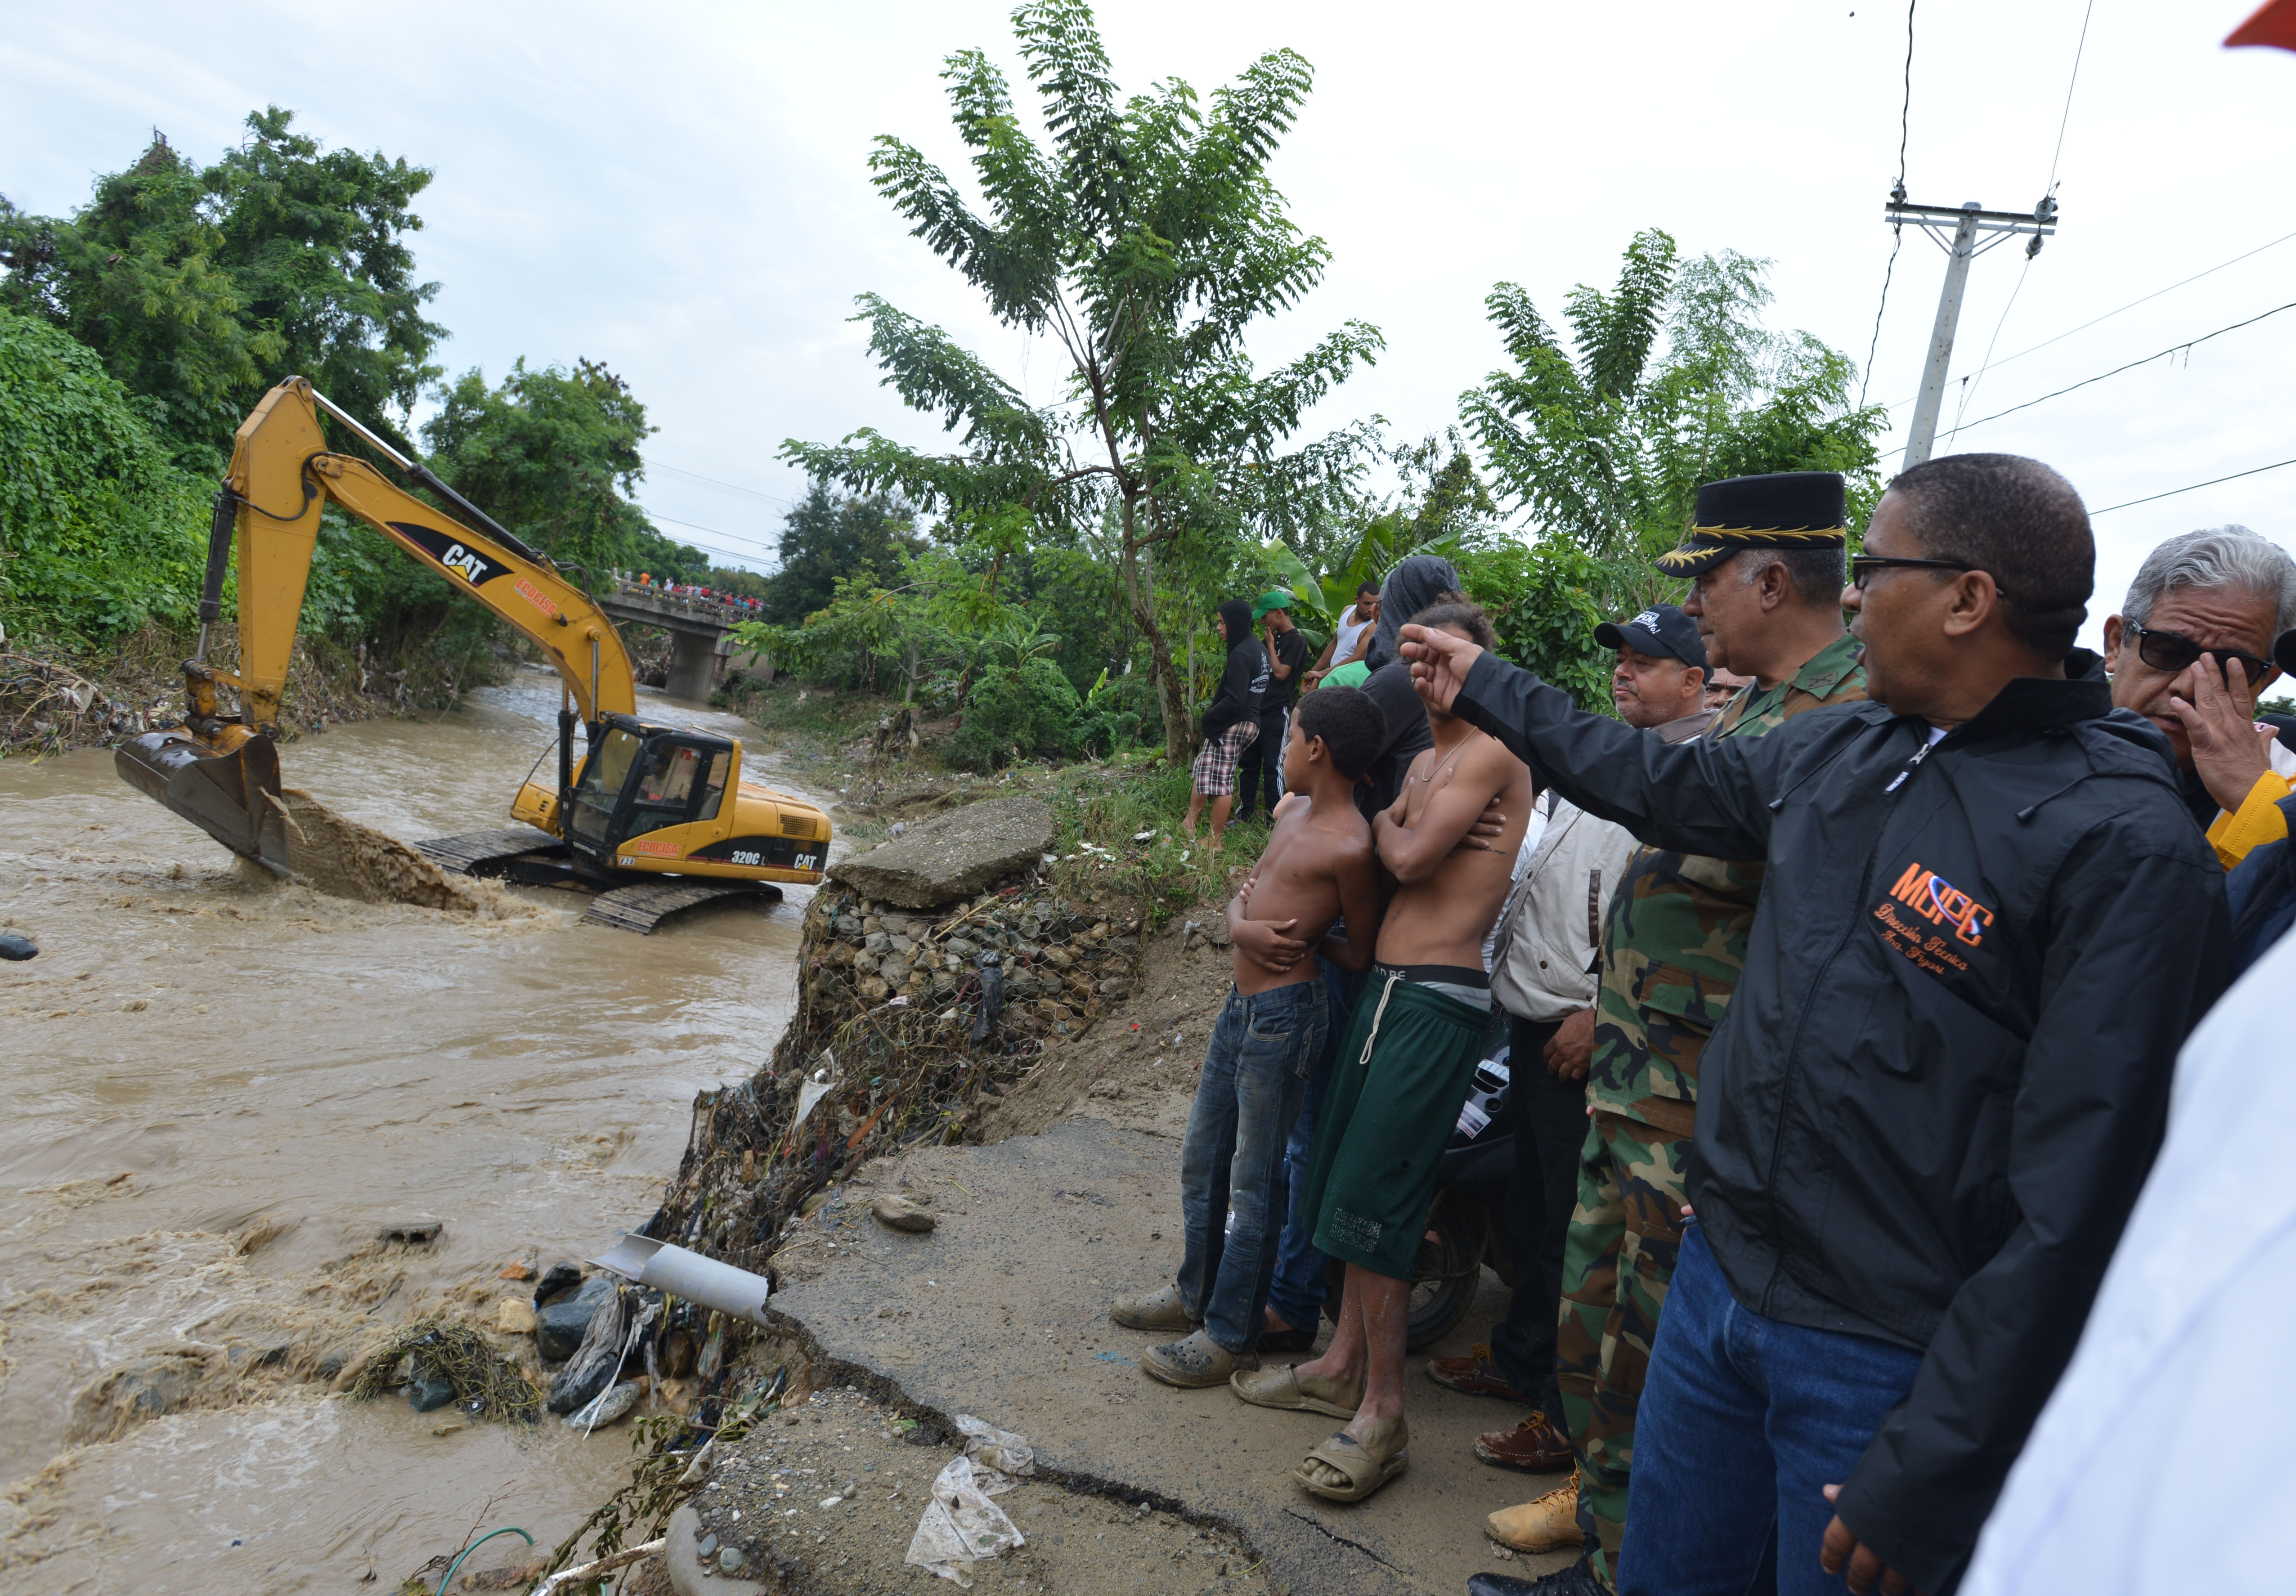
[1143,244]
[552,455]
[825,539]
[198,288]
[1671,381]
[99,530]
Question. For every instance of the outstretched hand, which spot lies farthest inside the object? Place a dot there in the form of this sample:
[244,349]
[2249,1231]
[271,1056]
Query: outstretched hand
[1439,663]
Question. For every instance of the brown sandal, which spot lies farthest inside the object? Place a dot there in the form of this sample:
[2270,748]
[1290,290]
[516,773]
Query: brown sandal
[1287,1389]
[1366,1465]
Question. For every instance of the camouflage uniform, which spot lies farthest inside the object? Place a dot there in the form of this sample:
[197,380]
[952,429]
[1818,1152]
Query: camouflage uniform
[1674,941]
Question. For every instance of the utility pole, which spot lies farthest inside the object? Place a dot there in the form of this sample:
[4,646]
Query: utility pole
[1965,226]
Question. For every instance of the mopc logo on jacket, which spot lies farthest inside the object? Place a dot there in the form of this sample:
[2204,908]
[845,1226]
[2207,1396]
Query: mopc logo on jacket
[1932,906]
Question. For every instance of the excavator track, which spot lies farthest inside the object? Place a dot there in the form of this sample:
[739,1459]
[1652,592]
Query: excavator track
[646,904]
[484,853]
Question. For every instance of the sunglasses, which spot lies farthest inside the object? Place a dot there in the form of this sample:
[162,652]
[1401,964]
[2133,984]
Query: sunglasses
[2175,651]
[1862,566]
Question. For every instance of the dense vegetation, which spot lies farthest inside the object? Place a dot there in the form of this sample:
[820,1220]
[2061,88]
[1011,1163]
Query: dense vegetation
[1079,547]
[1050,576]
[137,333]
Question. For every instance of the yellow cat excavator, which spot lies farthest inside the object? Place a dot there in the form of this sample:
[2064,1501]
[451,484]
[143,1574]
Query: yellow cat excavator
[654,818]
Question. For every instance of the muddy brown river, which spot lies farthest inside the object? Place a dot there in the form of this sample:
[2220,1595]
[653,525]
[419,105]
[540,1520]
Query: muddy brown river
[221,1090]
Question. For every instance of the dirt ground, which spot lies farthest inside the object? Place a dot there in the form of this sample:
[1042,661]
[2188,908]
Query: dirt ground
[826,1498]
[1001,1312]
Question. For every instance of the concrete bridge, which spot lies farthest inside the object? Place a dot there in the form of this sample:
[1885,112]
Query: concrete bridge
[703,652]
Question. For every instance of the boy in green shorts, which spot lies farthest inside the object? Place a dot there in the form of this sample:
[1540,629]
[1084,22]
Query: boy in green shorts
[1403,1071]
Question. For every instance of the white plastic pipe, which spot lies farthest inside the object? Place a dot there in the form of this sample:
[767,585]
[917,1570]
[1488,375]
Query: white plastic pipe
[674,1270]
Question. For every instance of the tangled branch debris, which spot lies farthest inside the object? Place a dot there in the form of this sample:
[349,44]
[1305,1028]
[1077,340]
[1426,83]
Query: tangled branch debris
[487,1384]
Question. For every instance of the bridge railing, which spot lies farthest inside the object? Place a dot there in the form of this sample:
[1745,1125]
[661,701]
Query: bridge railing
[657,595]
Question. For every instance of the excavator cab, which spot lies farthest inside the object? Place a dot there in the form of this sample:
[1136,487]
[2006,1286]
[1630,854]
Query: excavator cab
[640,779]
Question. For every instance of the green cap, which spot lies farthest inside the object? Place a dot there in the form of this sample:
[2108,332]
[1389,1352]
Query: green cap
[1275,598]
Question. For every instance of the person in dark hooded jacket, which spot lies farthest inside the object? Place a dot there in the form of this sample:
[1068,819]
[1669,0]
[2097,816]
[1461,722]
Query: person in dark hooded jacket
[1231,720]
[1419,583]
[1988,924]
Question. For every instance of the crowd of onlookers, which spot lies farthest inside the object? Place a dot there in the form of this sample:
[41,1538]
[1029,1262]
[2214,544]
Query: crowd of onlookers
[1838,982]
[732,604]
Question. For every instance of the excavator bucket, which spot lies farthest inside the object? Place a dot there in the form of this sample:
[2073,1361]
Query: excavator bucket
[233,798]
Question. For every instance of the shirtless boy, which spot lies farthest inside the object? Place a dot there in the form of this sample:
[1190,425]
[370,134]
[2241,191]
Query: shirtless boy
[1318,865]
[1403,1071]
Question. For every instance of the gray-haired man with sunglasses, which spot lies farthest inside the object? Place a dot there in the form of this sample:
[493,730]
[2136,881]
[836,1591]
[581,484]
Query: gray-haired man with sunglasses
[2191,649]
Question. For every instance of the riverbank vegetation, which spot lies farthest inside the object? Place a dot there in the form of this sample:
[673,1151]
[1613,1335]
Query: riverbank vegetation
[1041,586]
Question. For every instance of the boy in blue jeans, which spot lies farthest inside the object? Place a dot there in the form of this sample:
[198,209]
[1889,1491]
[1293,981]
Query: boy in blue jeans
[1318,865]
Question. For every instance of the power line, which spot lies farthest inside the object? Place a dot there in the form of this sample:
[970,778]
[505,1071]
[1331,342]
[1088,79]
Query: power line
[697,526]
[1969,387]
[715,482]
[2173,492]
[1897,235]
[2075,79]
[2133,364]
[1969,384]
[2132,304]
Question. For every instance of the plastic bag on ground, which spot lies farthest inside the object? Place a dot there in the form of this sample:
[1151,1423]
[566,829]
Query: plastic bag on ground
[961,1526]
[995,1449]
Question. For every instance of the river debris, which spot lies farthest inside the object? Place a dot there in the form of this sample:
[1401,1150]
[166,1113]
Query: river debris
[486,1384]
[18,948]
[337,855]
[880,1053]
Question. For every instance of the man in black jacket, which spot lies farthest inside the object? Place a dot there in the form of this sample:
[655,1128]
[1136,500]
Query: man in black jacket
[1988,925]
[1231,720]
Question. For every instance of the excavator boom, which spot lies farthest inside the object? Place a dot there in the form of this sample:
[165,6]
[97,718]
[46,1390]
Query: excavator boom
[282,475]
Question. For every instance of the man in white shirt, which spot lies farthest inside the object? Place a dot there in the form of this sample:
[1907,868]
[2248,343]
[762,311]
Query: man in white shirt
[2188,1345]
[1352,640]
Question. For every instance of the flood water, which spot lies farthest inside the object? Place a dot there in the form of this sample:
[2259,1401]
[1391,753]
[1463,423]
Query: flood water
[220,1089]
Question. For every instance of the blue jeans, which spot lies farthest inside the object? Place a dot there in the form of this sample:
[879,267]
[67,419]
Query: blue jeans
[1744,1421]
[1255,1073]
[1297,1291]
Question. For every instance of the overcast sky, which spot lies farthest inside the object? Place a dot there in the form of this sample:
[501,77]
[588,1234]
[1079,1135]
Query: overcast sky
[682,192]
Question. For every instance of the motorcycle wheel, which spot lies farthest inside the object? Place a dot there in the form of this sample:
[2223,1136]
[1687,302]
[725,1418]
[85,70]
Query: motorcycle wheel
[1445,1274]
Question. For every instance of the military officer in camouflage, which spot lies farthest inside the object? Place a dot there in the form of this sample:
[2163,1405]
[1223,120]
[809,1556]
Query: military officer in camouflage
[1767,557]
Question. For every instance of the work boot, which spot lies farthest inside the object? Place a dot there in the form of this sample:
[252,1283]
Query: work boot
[1573,1580]
[1476,1375]
[1534,1446]
[1195,1362]
[1158,1310]
[1549,1523]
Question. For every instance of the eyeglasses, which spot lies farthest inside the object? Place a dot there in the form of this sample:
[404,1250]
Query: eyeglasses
[2175,651]
[1862,566]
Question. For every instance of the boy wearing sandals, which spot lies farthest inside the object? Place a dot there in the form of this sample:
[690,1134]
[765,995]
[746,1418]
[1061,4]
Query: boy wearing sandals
[1318,863]
[1403,1071]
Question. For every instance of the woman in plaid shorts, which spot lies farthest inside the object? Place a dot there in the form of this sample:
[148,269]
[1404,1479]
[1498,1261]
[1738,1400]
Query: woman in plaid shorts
[1231,720]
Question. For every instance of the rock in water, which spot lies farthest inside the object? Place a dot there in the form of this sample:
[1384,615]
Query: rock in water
[556,1281]
[559,1325]
[515,1316]
[430,1390]
[952,856]
[609,1405]
[895,1212]
[18,948]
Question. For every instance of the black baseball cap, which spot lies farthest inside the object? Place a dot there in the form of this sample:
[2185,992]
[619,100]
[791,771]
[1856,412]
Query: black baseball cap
[1661,631]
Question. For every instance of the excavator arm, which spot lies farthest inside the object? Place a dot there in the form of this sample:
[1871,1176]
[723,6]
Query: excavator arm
[282,475]
[221,772]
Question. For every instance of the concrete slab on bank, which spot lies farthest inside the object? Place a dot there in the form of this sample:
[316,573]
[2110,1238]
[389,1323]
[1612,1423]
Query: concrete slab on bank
[1003,1312]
